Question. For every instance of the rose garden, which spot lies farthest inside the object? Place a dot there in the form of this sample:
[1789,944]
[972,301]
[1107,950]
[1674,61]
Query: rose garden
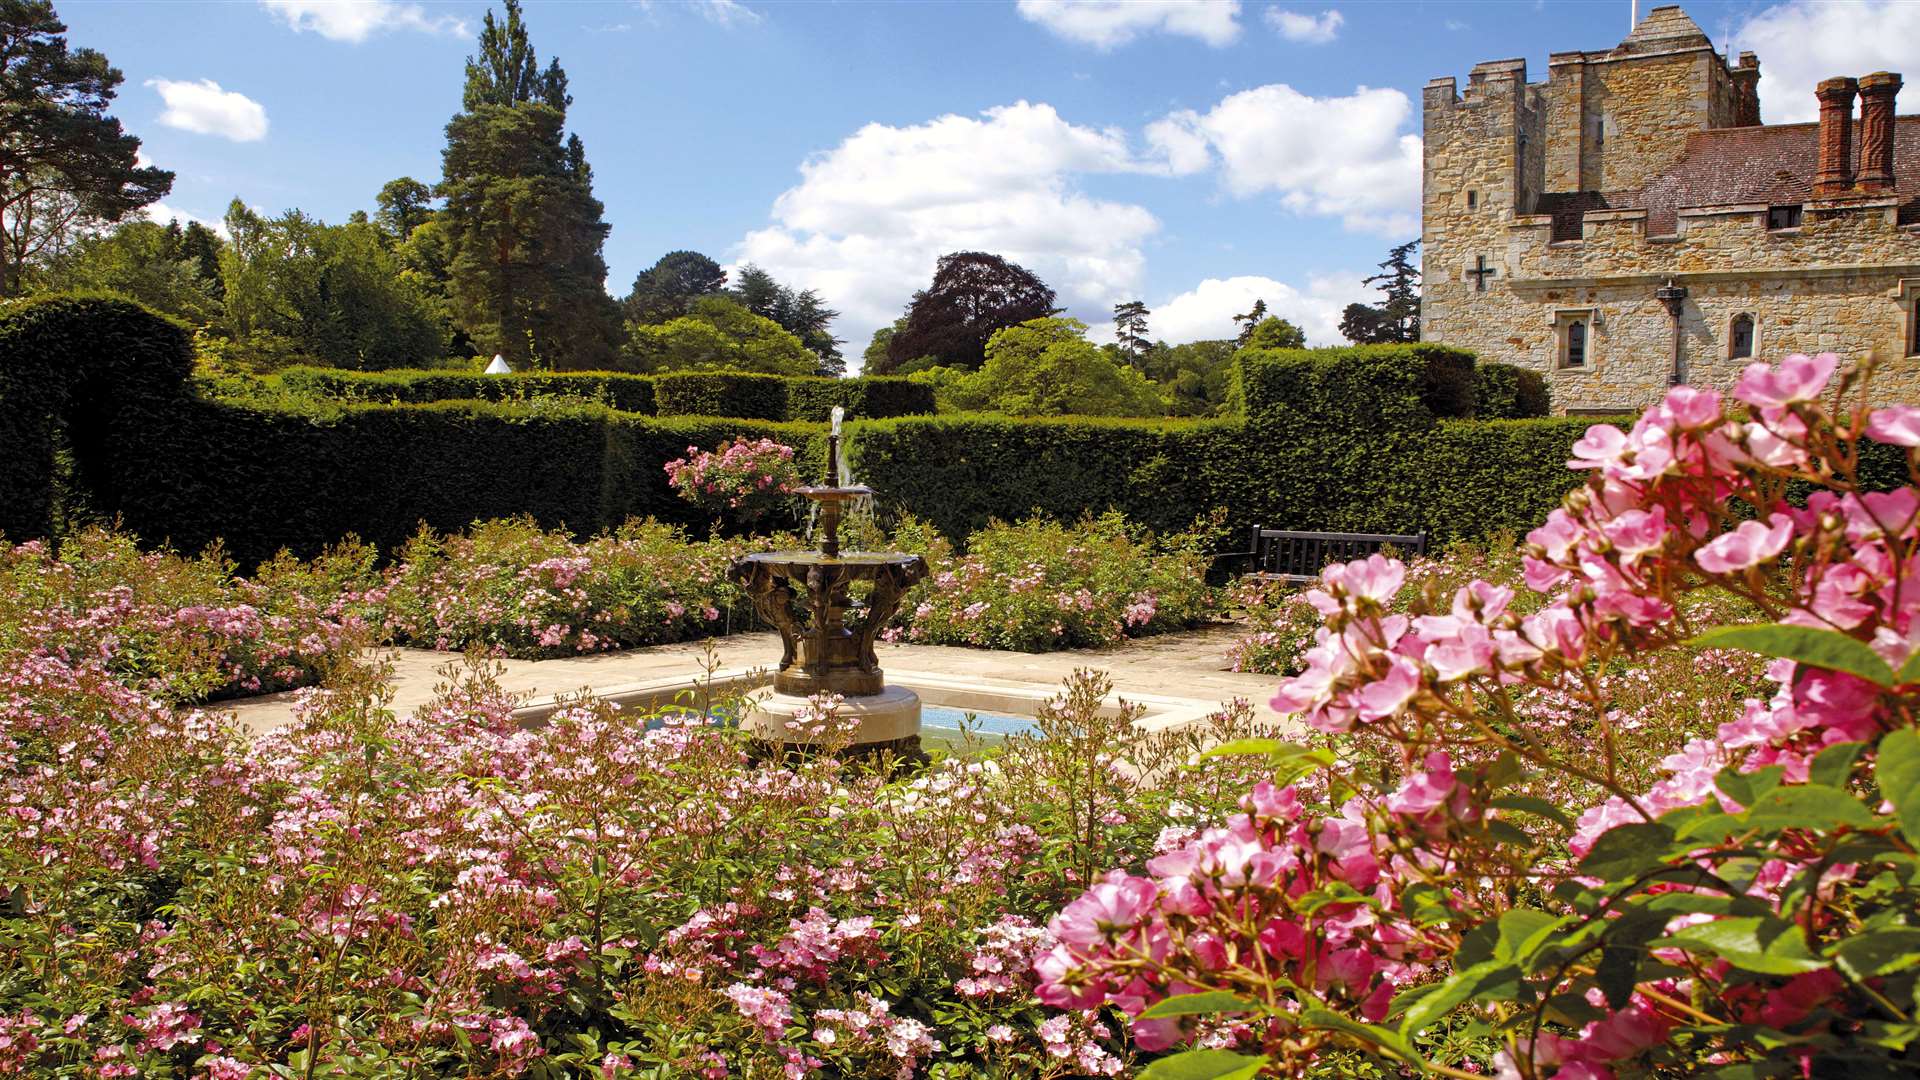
[1621,778]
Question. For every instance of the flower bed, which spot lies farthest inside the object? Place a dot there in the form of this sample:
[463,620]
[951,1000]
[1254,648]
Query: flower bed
[183,629]
[450,895]
[513,589]
[1040,585]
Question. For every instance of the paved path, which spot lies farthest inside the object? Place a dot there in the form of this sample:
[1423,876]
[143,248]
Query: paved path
[1189,665]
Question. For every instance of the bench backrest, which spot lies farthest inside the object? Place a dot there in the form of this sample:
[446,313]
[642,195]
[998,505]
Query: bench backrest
[1300,556]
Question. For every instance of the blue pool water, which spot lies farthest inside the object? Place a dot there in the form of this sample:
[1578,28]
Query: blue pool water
[945,716]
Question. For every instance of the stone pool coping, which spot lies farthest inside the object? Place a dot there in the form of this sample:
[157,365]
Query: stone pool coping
[1185,669]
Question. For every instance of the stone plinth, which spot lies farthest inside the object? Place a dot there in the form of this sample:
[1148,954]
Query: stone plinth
[888,720]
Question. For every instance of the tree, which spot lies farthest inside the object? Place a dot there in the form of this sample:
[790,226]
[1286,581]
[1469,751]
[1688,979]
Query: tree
[717,334]
[525,274]
[667,289]
[405,205]
[802,314]
[874,360]
[1397,317]
[1273,332]
[1130,330]
[1194,376]
[1247,320]
[161,266]
[299,289]
[972,296]
[66,166]
[1047,367]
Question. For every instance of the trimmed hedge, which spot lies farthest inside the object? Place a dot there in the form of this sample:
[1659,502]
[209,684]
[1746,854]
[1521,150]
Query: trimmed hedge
[1507,392]
[100,375]
[692,393]
[628,393]
[960,472]
[264,479]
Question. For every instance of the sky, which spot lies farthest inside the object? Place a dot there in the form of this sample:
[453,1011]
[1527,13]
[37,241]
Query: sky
[1194,154]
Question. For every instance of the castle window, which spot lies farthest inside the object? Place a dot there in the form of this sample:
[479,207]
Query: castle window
[1574,351]
[1783,217]
[1473,199]
[1913,327]
[1740,337]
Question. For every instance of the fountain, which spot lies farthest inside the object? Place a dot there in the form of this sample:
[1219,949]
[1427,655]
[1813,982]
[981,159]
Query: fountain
[806,595]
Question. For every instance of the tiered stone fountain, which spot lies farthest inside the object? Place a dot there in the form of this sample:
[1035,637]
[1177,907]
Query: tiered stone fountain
[806,596]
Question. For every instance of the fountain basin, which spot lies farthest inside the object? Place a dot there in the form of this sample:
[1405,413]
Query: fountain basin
[888,720]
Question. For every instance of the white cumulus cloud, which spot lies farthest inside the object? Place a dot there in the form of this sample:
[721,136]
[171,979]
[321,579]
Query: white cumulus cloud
[1802,42]
[870,217]
[204,108]
[1107,24]
[1306,29]
[357,20]
[1206,311]
[160,213]
[1339,156]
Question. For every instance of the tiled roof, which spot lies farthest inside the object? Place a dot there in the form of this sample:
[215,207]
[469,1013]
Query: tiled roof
[1773,164]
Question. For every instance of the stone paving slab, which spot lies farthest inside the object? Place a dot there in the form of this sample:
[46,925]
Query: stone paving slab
[1189,665]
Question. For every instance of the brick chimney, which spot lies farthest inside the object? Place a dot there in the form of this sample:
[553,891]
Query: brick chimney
[1835,177]
[1876,131]
[1746,87]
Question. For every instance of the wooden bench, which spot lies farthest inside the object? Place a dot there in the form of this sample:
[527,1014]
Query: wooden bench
[1298,557]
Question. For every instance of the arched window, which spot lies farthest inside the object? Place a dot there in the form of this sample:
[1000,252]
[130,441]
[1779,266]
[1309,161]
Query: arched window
[1577,343]
[1740,337]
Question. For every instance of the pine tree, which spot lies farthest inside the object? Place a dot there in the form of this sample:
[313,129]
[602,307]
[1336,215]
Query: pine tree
[1247,320]
[1397,317]
[1130,330]
[65,165]
[526,274]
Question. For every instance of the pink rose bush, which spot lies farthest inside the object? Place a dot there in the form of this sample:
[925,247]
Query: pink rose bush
[739,478]
[1752,911]
[1041,585]
[185,629]
[510,588]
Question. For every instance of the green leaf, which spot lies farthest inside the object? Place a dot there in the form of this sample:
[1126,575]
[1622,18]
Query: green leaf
[1371,1035]
[1746,788]
[1878,952]
[1204,1004]
[1829,649]
[1624,946]
[1428,1003]
[1898,774]
[1809,806]
[1834,765]
[1910,671]
[1527,804]
[1626,850]
[1272,748]
[1522,930]
[1206,1065]
[1770,946]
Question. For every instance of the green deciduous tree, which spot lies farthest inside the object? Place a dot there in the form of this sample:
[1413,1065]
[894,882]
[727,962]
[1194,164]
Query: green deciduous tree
[1397,317]
[717,334]
[1047,367]
[973,294]
[299,289]
[1194,377]
[526,277]
[1274,332]
[167,268]
[66,167]
[405,205]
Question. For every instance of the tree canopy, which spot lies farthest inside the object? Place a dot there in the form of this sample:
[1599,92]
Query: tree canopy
[66,167]
[668,288]
[972,296]
[717,334]
[1397,317]
[1047,367]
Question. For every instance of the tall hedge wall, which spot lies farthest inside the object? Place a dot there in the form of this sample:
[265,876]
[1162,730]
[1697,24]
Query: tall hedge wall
[1379,438]
[99,375]
[693,393]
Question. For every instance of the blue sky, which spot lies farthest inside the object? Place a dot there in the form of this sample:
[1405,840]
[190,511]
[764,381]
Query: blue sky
[1194,155]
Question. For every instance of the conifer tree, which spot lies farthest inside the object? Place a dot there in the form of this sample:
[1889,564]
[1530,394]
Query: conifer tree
[526,274]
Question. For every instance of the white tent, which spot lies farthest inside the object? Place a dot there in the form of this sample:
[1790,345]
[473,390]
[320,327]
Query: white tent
[499,366]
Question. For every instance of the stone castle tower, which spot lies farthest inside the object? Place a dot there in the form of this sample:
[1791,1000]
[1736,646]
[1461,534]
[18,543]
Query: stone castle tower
[1629,223]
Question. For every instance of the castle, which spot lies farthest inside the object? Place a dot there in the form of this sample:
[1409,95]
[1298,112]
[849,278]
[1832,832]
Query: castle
[1630,224]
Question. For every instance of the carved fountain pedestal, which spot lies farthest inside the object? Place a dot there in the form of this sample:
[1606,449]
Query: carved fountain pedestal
[807,596]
